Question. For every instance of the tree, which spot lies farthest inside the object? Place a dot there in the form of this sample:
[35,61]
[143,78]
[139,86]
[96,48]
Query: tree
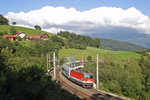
[84,41]
[57,39]
[3,33]
[98,43]
[14,23]
[145,67]
[13,30]
[3,20]
[89,58]
[37,27]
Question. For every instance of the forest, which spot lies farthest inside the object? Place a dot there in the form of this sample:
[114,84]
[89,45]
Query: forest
[79,41]
[23,72]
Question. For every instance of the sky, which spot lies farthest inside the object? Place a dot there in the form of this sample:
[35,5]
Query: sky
[80,16]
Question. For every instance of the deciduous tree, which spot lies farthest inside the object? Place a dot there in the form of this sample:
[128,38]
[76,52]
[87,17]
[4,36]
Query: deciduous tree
[37,27]
[14,23]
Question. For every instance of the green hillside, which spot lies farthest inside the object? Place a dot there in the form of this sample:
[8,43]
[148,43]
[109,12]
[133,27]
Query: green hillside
[117,45]
[28,31]
[99,43]
[90,51]
[105,43]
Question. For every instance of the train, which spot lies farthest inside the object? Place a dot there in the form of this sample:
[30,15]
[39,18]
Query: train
[77,75]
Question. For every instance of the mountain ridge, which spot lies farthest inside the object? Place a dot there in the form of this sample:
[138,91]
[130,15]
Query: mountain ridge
[135,38]
[117,45]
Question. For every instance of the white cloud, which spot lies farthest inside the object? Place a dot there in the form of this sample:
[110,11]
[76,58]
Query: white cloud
[53,29]
[102,19]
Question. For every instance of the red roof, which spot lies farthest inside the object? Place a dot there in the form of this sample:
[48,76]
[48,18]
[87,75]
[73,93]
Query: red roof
[9,35]
[12,34]
[36,36]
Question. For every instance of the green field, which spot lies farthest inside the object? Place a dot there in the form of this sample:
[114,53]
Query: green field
[28,31]
[90,51]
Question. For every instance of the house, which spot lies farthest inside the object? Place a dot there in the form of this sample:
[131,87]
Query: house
[22,34]
[13,36]
[148,53]
[39,36]
[10,37]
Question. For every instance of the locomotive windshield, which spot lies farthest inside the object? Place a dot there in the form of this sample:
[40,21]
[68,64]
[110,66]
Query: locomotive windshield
[88,76]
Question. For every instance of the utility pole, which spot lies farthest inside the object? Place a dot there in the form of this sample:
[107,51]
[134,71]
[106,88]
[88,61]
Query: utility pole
[48,62]
[82,60]
[97,74]
[74,61]
[54,66]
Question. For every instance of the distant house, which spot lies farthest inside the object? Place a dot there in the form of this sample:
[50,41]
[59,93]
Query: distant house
[10,37]
[22,34]
[39,36]
[13,36]
[148,53]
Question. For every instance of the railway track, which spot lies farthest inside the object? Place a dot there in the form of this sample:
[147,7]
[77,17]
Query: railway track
[88,94]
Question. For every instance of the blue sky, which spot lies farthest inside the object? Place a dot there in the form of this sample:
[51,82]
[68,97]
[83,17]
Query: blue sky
[81,5]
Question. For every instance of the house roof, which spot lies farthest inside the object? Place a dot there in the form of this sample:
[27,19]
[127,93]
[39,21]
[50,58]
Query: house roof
[9,35]
[13,34]
[21,32]
[36,36]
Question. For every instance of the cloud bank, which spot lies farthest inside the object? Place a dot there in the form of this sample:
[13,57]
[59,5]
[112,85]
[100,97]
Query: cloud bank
[96,20]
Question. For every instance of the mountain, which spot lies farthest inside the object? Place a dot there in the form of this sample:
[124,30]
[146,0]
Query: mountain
[136,38]
[117,45]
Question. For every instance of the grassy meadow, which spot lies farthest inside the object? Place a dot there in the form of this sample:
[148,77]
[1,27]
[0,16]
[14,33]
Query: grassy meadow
[28,31]
[90,51]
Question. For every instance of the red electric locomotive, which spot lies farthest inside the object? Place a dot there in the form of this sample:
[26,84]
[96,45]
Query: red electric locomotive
[78,76]
[82,78]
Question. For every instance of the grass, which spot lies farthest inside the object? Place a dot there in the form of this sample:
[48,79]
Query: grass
[90,51]
[25,43]
[28,31]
